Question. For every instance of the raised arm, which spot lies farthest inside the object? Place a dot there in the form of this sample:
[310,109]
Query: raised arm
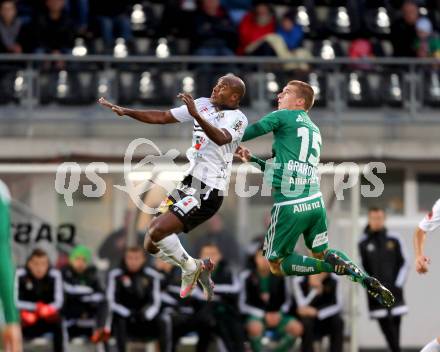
[146,116]
[219,136]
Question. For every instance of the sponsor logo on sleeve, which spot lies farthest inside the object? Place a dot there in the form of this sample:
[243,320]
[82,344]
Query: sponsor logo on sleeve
[238,126]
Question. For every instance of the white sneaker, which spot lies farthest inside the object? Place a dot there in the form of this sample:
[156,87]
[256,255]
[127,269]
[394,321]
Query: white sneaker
[189,279]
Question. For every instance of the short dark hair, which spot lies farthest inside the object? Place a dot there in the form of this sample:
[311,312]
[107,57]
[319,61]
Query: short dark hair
[38,252]
[210,244]
[134,249]
[375,208]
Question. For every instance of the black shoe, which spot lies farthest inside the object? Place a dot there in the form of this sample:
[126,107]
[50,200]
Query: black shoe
[379,292]
[341,267]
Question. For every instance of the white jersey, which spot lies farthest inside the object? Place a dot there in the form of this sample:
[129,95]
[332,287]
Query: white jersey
[209,162]
[432,220]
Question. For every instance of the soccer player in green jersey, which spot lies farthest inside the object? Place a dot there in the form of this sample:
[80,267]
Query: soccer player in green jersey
[299,207]
[12,341]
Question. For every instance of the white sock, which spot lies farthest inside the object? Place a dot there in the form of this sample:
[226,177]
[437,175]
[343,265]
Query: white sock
[433,346]
[161,255]
[172,248]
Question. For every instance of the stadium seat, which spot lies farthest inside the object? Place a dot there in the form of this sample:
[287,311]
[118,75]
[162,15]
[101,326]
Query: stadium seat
[392,92]
[431,89]
[12,85]
[306,17]
[147,87]
[378,21]
[127,83]
[272,87]
[359,90]
[318,82]
[120,49]
[46,86]
[80,48]
[144,20]
[328,49]
[73,87]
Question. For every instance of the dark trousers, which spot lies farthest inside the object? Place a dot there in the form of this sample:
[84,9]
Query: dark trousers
[209,323]
[228,327]
[41,328]
[126,329]
[315,329]
[390,327]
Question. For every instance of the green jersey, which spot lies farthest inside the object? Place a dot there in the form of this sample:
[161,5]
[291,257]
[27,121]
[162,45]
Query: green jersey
[6,265]
[296,150]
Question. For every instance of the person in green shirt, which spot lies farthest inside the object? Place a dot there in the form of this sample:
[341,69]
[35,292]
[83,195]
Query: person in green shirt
[12,340]
[299,207]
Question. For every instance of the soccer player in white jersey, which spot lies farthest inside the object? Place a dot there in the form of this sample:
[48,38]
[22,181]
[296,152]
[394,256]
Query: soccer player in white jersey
[429,223]
[218,128]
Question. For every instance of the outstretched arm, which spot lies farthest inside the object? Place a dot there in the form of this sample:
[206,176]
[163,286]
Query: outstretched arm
[219,136]
[419,248]
[146,116]
[267,124]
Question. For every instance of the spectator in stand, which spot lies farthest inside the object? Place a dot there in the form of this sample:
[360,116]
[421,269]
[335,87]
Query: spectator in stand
[40,298]
[78,10]
[405,27]
[11,30]
[292,36]
[379,242]
[253,29]
[53,30]
[133,295]
[237,9]
[178,18]
[29,9]
[361,48]
[319,303]
[215,31]
[113,20]
[291,32]
[264,302]
[85,307]
[427,43]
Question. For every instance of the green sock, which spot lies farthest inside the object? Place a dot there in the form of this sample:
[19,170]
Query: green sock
[285,344]
[255,343]
[301,265]
[343,255]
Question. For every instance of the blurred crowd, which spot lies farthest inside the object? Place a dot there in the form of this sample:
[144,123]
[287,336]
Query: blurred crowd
[138,299]
[221,27]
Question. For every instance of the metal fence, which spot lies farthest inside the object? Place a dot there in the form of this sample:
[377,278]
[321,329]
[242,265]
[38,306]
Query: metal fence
[374,88]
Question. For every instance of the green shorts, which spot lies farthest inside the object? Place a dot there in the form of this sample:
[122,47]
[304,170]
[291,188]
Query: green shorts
[285,319]
[290,219]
